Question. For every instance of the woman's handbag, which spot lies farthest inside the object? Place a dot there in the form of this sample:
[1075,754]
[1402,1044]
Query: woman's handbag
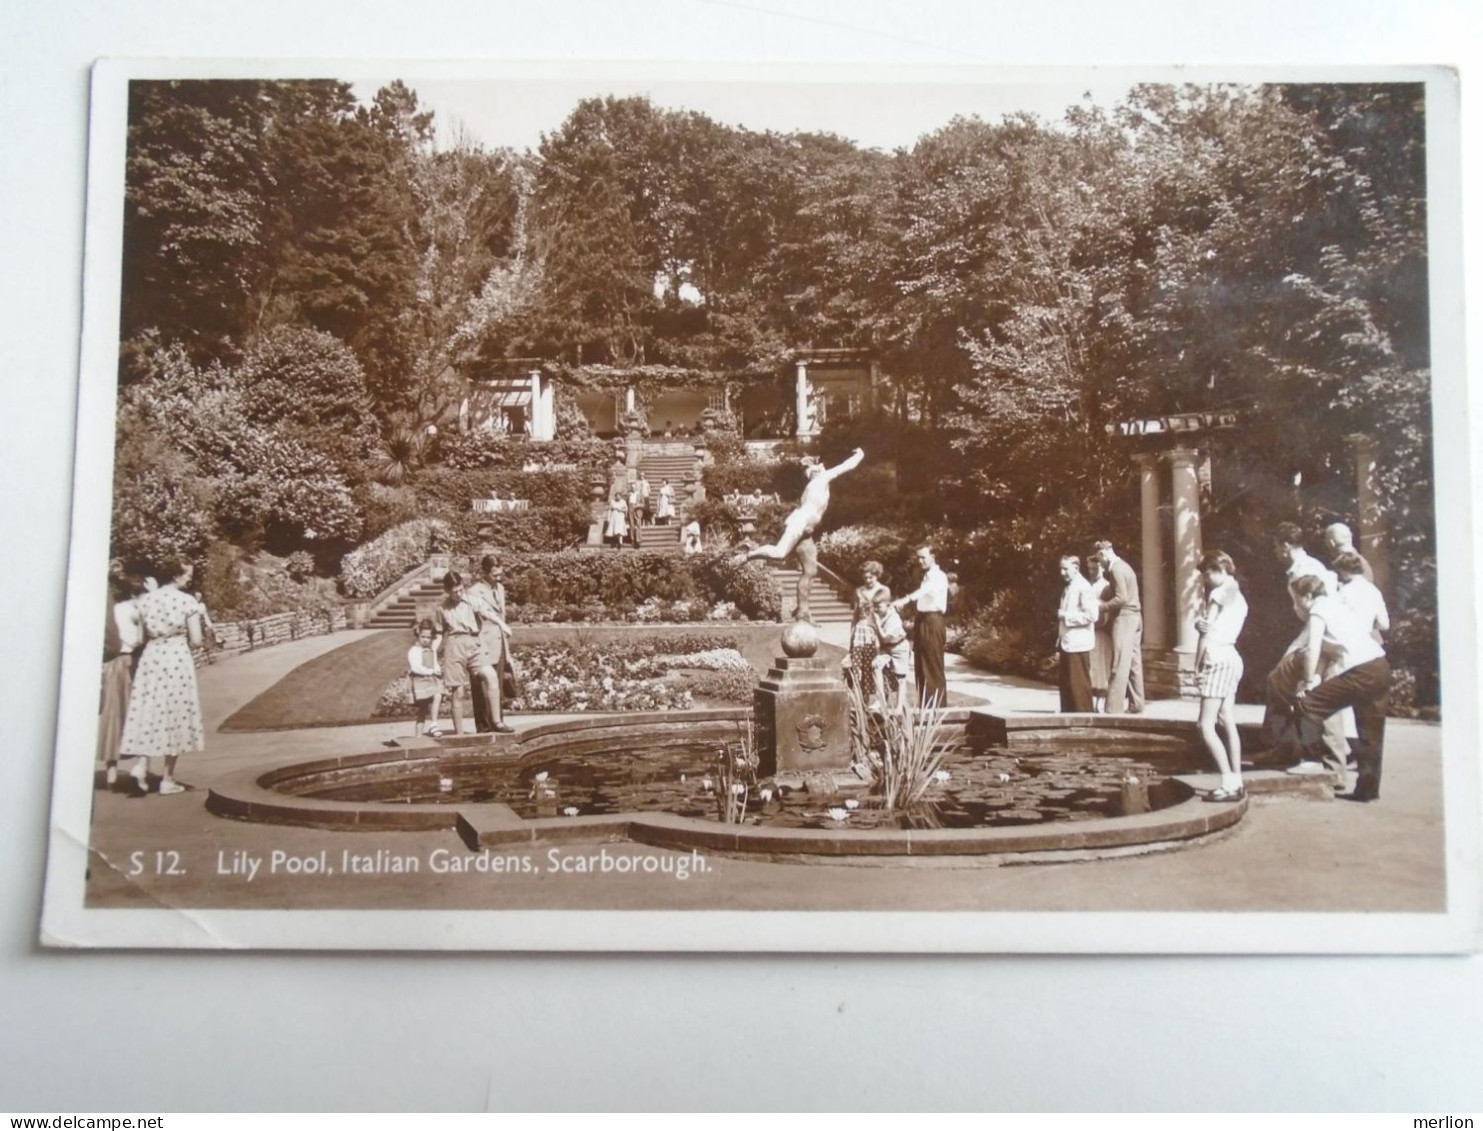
[509,679]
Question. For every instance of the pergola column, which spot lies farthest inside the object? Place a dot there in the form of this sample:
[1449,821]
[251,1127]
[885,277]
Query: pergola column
[1370,537]
[1155,625]
[801,392]
[1188,547]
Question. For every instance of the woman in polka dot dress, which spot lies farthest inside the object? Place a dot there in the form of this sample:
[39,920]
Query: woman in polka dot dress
[164,718]
[863,641]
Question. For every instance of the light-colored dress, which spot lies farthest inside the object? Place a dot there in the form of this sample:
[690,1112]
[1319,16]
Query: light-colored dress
[1101,662]
[666,508]
[422,664]
[164,716]
[121,639]
[618,518]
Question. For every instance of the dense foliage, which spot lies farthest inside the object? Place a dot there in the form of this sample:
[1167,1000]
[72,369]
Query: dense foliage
[579,585]
[370,568]
[308,280]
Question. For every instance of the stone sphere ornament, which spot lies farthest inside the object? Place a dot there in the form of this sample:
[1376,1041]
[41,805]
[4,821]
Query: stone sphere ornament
[800,640]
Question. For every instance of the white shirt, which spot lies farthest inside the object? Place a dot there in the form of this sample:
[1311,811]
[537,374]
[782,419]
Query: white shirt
[1304,564]
[1225,609]
[1367,603]
[130,627]
[1077,616]
[415,664]
[1347,642]
[931,595]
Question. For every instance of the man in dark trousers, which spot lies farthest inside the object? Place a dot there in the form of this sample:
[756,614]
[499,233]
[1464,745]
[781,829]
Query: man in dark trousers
[929,640]
[1123,613]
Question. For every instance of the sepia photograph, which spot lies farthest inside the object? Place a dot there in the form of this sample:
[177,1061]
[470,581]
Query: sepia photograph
[616,508]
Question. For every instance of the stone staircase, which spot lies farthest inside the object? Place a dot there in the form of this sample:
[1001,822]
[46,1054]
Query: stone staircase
[665,539]
[825,604]
[678,469]
[405,611]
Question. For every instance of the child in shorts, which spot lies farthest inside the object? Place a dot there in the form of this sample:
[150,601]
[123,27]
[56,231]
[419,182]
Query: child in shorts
[890,661]
[427,680]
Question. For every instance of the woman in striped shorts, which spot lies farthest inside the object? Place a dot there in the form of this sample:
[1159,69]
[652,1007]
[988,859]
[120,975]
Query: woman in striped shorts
[1218,669]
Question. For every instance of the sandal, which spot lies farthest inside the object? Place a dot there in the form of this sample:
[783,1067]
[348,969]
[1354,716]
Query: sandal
[1225,795]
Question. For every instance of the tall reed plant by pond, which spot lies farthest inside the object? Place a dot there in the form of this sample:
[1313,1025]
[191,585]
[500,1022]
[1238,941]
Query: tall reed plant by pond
[736,774]
[900,746]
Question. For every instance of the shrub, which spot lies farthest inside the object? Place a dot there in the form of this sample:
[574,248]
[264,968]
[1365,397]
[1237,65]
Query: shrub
[784,479]
[367,570]
[453,490]
[534,531]
[730,686]
[585,586]
[161,508]
[469,450]
[310,383]
[726,446]
[237,586]
[299,565]
[263,480]
[846,549]
[383,507]
[991,640]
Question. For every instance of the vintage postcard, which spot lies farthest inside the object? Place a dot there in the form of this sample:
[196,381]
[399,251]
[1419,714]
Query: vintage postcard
[730,508]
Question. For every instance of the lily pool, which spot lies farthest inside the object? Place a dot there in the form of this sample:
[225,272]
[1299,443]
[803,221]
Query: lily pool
[974,789]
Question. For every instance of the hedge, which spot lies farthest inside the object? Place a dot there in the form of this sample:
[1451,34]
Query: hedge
[621,582]
[455,490]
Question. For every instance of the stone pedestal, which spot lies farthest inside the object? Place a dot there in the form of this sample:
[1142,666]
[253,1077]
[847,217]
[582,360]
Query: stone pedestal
[802,717]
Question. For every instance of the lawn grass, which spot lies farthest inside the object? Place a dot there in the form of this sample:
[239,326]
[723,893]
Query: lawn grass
[342,686]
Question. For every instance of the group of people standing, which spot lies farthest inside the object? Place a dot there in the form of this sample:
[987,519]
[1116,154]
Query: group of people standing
[464,644]
[1100,634]
[1335,665]
[630,511]
[878,638]
[150,706]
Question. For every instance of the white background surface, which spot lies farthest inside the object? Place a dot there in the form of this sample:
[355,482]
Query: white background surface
[151,1032]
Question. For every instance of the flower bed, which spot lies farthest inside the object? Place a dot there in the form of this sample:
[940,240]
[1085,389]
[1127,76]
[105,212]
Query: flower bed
[648,674]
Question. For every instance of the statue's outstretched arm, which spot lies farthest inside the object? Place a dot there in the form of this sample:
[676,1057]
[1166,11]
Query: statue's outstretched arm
[848,465]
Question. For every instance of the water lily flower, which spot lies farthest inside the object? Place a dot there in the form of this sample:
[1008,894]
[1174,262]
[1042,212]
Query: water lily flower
[851,804]
[1003,777]
[942,775]
[707,785]
[737,788]
[838,814]
[765,794]
[445,783]
[569,811]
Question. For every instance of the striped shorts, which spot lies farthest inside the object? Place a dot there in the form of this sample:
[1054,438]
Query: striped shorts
[1219,678]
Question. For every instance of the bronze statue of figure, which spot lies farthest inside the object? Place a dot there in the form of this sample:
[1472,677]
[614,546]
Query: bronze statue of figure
[798,532]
